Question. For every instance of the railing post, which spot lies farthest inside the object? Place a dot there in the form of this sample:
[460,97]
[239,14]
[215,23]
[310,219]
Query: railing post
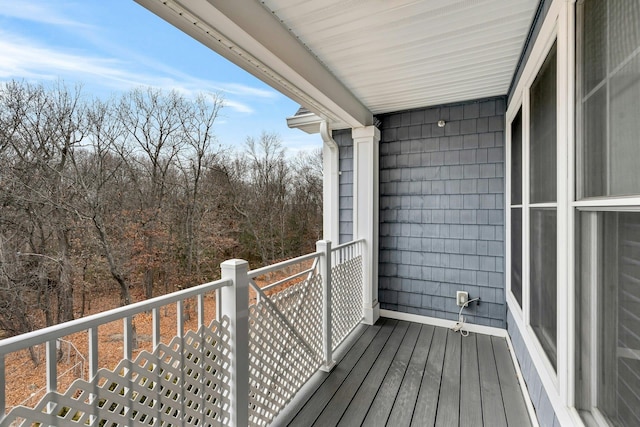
[324,248]
[235,305]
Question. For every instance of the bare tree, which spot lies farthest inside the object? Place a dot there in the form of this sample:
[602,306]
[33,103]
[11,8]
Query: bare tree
[154,129]
[135,192]
[262,183]
[197,129]
[42,129]
[102,182]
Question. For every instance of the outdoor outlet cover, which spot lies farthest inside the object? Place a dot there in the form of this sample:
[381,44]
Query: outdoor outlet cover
[461,298]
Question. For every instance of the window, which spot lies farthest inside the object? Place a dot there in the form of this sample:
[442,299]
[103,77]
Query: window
[533,205]
[609,98]
[516,207]
[542,146]
[608,212]
[543,307]
[609,349]
[543,206]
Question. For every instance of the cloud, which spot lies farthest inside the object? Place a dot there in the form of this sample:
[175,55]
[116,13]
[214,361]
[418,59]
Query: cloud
[41,12]
[238,106]
[22,58]
[239,89]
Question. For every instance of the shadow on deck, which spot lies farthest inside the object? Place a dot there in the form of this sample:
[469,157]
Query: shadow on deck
[406,374]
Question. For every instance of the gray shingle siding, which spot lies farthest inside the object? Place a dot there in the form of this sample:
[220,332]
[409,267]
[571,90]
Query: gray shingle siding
[541,402]
[345,149]
[442,210]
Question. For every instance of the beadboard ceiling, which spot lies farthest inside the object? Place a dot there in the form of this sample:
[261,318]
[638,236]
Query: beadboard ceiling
[346,59]
[395,55]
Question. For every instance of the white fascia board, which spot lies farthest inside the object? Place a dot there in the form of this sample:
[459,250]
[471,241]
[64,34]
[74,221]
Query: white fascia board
[251,37]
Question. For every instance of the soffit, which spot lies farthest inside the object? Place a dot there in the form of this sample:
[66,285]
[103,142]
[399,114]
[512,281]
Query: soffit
[401,54]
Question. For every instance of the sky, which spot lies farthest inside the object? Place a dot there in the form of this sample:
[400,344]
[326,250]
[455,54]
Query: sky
[111,46]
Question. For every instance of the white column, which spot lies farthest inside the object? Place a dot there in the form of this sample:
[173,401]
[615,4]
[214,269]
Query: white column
[330,185]
[235,305]
[365,211]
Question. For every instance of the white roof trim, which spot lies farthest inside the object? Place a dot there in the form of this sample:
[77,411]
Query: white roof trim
[308,122]
[250,36]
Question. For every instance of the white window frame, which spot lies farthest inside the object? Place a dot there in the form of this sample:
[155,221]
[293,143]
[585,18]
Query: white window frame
[575,208]
[558,26]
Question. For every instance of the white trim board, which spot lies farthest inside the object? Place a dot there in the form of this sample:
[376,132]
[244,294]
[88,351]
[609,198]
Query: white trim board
[426,320]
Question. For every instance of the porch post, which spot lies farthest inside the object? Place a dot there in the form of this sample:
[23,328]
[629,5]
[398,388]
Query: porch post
[235,305]
[330,185]
[365,212]
[323,247]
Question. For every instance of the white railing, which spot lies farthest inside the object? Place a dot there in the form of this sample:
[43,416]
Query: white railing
[273,328]
[166,386]
[347,286]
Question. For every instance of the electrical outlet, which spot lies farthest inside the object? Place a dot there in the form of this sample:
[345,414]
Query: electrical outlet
[462,298]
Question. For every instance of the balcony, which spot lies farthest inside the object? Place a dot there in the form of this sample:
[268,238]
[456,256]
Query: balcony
[266,355]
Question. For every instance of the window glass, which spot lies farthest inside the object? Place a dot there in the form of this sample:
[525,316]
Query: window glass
[625,129]
[516,159]
[609,98]
[610,305]
[624,30]
[594,151]
[543,304]
[594,44]
[542,147]
[516,254]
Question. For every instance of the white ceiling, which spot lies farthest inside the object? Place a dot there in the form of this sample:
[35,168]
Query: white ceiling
[346,60]
[402,54]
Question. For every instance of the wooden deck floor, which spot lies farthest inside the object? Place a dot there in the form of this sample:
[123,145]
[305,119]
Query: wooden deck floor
[406,374]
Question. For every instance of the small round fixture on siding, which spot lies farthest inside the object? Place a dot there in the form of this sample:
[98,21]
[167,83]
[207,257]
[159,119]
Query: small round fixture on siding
[441,123]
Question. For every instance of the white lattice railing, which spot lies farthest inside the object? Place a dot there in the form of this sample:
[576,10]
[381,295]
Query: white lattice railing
[293,333]
[184,381]
[346,287]
[239,367]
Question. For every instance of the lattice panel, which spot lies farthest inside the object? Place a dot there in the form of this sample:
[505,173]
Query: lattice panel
[283,351]
[301,305]
[346,298]
[184,383]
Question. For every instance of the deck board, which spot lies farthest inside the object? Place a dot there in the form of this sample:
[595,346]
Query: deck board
[424,413]
[399,373]
[448,413]
[470,402]
[492,405]
[365,395]
[383,403]
[340,401]
[405,401]
[514,406]
[316,403]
